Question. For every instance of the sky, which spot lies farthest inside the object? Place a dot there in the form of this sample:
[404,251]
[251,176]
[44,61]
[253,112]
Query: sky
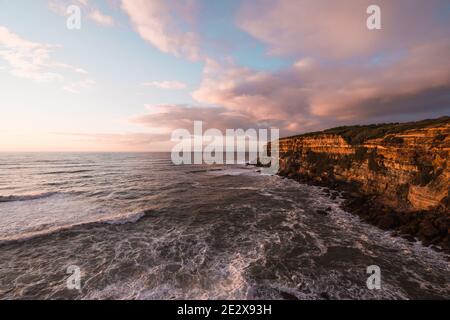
[136,70]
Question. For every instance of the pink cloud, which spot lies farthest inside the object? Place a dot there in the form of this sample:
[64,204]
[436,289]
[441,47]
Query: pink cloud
[311,94]
[168,85]
[100,18]
[344,73]
[337,29]
[32,60]
[60,8]
[162,23]
[168,117]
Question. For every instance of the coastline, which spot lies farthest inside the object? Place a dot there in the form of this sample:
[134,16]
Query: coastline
[431,227]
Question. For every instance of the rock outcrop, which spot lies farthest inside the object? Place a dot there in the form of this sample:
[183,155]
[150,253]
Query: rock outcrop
[401,170]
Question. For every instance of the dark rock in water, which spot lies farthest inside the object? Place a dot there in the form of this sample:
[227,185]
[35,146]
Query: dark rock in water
[386,222]
[322,212]
[428,230]
[443,224]
[437,248]
[288,296]
[173,267]
[328,209]
[409,238]
[408,229]
[445,243]
[430,227]
[325,295]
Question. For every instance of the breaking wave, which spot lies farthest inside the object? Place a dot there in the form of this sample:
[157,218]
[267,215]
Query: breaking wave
[27,197]
[118,219]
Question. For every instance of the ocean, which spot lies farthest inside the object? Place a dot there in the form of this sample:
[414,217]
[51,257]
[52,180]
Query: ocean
[139,227]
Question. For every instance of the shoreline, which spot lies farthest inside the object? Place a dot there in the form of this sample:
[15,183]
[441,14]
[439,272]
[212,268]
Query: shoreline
[431,227]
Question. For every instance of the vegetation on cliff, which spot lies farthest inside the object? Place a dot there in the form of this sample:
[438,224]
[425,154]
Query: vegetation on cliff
[358,134]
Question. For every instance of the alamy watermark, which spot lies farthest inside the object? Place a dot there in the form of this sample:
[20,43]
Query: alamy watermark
[74,280]
[236,146]
[373,282]
[73,21]
[373,22]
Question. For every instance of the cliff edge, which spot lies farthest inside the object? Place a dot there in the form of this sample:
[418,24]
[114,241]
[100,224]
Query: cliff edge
[395,175]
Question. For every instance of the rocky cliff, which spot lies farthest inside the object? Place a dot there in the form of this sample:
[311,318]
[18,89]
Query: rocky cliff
[401,168]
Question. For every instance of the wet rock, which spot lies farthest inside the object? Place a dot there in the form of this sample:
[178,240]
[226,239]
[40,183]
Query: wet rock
[428,230]
[445,243]
[409,238]
[386,222]
[173,267]
[408,229]
[322,212]
[288,296]
[325,296]
[442,223]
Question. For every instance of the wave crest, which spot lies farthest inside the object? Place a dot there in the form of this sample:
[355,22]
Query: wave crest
[26,197]
[118,219]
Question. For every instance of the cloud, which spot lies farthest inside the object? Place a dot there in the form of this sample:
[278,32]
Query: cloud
[162,23]
[264,99]
[60,8]
[163,120]
[26,59]
[399,88]
[32,60]
[159,121]
[101,19]
[312,95]
[168,117]
[174,85]
[337,29]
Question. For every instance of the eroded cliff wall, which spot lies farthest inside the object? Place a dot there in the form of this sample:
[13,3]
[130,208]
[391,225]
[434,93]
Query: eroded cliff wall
[406,166]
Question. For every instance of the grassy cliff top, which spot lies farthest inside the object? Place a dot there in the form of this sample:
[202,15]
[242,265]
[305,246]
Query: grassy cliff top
[358,134]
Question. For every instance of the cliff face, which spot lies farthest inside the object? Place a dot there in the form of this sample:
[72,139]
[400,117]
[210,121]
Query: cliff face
[405,166]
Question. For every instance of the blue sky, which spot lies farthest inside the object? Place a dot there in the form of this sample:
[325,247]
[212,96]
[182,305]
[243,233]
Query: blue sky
[136,70]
